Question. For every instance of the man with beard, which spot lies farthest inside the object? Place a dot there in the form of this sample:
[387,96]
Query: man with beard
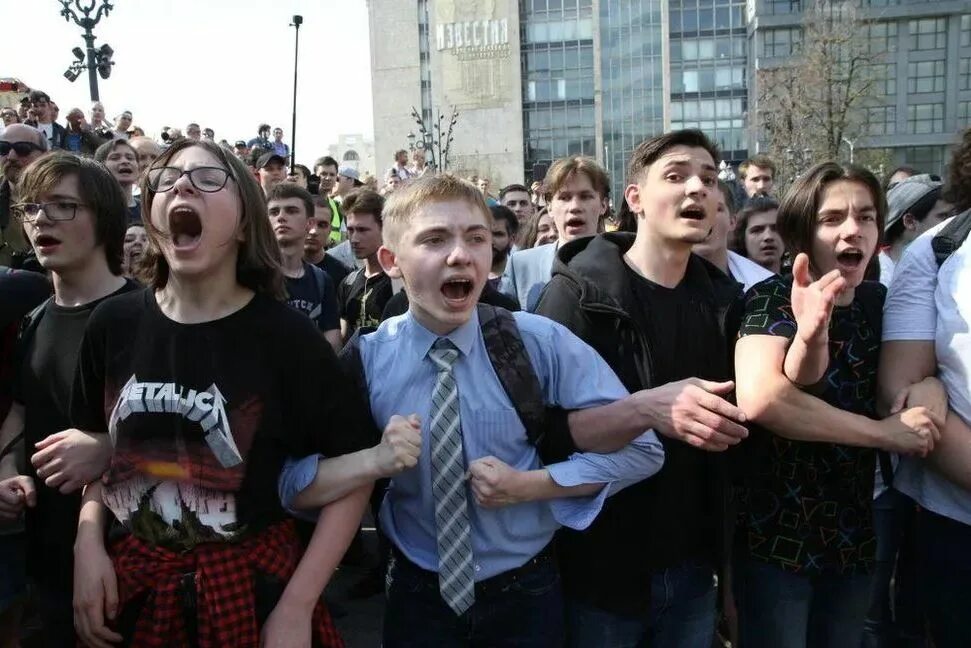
[79,137]
[19,146]
[505,227]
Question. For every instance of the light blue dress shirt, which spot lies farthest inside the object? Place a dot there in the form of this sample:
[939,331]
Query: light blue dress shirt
[573,376]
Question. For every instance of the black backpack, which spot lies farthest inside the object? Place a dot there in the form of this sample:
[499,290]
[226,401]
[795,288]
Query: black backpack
[28,328]
[509,358]
[951,237]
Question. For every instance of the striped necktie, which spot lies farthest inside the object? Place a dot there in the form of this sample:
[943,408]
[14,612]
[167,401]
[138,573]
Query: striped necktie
[456,572]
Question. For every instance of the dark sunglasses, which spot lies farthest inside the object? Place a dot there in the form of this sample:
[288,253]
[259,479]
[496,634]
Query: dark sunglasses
[20,148]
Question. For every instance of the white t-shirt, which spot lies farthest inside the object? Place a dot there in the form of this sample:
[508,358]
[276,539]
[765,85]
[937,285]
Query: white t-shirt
[887,267]
[927,303]
[745,271]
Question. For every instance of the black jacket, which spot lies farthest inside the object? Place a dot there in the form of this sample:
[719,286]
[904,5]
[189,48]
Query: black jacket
[610,564]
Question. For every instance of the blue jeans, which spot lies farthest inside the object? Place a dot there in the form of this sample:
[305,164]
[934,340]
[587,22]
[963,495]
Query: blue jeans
[682,615]
[777,609]
[944,559]
[13,577]
[522,607]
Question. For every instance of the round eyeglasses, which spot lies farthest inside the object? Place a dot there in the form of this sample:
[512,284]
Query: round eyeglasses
[204,179]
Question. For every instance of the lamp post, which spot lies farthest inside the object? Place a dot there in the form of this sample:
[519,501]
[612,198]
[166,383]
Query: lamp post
[437,139]
[297,21]
[98,61]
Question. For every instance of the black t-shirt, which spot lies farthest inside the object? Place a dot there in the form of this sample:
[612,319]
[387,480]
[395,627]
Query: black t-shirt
[684,340]
[313,295]
[47,360]
[203,415]
[336,270]
[808,508]
[398,304]
[362,299]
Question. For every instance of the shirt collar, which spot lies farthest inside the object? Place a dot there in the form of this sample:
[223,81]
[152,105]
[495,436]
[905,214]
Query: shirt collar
[463,337]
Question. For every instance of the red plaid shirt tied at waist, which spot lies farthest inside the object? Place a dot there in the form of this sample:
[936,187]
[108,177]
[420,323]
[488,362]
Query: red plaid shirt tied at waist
[223,575]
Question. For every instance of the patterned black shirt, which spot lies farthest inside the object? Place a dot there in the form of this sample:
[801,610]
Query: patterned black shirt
[806,506]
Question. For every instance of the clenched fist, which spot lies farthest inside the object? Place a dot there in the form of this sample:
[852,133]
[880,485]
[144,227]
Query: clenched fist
[494,483]
[400,445]
[15,494]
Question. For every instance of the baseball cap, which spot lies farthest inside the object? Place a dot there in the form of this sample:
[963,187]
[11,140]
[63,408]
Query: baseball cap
[240,143]
[351,172]
[903,196]
[266,158]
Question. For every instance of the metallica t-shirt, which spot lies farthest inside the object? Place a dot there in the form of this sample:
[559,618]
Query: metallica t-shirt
[202,415]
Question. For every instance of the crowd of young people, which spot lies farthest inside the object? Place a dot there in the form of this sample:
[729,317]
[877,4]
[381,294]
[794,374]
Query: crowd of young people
[574,428]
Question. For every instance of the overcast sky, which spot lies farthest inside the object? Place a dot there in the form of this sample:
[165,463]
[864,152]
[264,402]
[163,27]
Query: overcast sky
[226,64]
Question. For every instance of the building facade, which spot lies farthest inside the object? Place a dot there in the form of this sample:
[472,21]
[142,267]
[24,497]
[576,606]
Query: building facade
[536,80]
[923,97]
[355,151]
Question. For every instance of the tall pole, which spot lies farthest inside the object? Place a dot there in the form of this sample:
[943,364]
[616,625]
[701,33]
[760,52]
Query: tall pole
[87,23]
[92,67]
[297,21]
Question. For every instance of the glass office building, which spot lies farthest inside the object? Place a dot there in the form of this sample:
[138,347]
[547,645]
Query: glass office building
[601,77]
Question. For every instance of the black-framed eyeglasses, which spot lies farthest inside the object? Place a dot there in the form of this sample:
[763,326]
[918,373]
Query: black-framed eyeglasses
[55,210]
[20,148]
[204,179]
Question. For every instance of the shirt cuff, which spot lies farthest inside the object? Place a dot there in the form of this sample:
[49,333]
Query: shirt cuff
[576,513]
[296,475]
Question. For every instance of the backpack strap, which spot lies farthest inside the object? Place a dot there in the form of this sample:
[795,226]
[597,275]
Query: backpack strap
[353,366]
[510,360]
[321,279]
[27,330]
[951,237]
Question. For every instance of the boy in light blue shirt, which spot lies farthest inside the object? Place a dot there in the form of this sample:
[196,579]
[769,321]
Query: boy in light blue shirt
[471,510]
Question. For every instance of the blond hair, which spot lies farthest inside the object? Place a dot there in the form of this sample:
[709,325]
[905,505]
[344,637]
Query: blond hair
[404,203]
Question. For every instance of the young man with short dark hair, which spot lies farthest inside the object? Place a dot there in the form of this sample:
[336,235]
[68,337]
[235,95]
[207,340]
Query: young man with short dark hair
[309,289]
[644,570]
[318,240]
[45,122]
[365,292]
[326,170]
[74,215]
[516,197]
[272,170]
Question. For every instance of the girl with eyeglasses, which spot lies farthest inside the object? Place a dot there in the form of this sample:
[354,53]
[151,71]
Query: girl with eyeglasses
[205,382]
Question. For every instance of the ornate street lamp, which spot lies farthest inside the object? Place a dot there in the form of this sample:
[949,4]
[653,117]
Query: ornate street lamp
[98,60]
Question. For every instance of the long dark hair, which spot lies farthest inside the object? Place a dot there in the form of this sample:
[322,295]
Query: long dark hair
[258,262]
[798,212]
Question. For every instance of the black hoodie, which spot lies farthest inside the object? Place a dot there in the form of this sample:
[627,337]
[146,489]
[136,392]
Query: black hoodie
[678,515]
